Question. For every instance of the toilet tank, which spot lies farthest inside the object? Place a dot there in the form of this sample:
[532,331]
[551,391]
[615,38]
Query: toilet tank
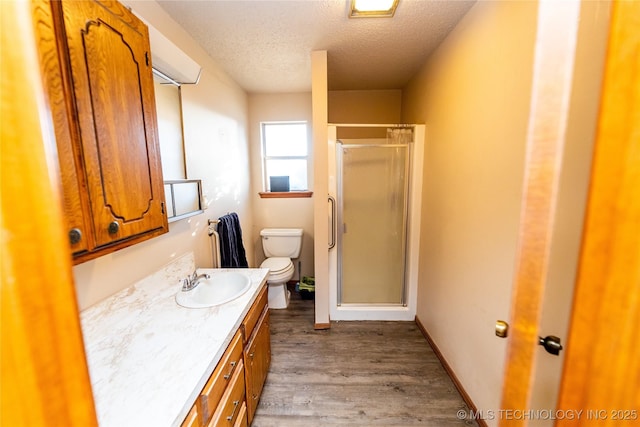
[281,242]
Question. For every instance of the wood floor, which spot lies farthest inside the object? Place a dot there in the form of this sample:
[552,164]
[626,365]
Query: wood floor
[356,373]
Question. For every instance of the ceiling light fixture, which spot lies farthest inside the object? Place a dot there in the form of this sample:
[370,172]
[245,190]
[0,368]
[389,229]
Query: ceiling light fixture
[373,8]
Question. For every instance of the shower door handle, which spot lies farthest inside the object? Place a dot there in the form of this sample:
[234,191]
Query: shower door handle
[332,244]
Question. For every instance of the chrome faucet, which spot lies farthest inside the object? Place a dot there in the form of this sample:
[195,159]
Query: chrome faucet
[190,282]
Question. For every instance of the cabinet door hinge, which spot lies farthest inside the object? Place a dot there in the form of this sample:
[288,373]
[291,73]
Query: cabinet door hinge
[146,57]
[162,207]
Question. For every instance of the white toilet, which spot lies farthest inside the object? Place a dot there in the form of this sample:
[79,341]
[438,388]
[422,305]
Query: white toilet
[280,245]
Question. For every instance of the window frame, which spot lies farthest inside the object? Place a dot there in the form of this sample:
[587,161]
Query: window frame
[265,178]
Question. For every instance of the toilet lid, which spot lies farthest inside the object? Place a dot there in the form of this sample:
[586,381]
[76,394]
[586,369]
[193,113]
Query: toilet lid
[276,264]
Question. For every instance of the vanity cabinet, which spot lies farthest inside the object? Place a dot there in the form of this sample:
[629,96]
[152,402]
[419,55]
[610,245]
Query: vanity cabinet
[96,64]
[230,396]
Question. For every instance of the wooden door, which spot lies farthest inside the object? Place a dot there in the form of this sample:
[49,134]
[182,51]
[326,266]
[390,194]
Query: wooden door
[602,365]
[45,380]
[110,65]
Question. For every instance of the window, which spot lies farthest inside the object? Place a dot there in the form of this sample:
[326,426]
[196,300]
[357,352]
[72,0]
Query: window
[284,153]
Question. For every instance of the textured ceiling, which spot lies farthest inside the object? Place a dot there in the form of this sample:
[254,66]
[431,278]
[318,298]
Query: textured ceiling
[265,46]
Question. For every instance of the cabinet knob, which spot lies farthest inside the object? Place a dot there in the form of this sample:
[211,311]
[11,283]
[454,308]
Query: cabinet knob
[75,235]
[114,227]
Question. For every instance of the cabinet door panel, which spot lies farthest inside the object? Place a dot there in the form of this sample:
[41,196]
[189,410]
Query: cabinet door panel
[114,82]
[241,421]
[257,358]
[56,80]
[113,88]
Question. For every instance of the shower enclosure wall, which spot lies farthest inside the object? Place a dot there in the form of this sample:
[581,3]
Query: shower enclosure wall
[374,196]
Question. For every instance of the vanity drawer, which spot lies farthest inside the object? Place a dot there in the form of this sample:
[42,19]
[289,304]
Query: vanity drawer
[193,418]
[249,322]
[230,363]
[232,401]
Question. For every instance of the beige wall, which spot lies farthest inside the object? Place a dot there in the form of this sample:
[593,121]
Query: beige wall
[215,123]
[364,107]
[280,213]
[474,98]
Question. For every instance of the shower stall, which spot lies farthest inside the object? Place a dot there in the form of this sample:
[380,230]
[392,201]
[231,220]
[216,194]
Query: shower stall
[375,174]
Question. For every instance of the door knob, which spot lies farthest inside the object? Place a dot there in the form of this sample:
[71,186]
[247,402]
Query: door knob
[502,328]
[551,344]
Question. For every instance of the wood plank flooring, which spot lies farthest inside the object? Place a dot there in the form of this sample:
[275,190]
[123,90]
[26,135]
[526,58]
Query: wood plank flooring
[356,373]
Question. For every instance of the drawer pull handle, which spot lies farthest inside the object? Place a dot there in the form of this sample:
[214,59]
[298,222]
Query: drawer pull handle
[236,403]
[228,375]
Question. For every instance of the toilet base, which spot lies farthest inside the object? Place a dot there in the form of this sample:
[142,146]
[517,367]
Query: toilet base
[278,295]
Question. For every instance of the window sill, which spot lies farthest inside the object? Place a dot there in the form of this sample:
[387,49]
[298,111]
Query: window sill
[284,194]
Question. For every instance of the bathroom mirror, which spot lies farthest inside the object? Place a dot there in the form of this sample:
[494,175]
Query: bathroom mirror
[169,113]
[183,196]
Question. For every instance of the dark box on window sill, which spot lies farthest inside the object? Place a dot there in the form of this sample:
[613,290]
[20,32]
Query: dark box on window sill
[279,183]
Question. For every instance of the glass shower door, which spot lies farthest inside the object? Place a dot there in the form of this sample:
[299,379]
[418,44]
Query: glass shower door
[373,201]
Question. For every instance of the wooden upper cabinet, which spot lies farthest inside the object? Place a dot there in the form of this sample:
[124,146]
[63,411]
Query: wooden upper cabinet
[110,130]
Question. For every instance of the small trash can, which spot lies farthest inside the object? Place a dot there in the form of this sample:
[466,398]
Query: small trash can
[307,288]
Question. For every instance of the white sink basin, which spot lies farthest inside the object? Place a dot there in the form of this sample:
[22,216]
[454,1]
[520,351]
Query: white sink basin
[221,288]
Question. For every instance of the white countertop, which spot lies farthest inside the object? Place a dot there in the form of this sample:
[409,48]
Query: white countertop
[148,357]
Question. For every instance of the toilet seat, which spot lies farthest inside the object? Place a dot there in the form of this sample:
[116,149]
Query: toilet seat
[280,269]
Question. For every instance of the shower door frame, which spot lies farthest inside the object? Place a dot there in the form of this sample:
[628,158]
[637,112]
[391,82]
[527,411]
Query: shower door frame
[398,312]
